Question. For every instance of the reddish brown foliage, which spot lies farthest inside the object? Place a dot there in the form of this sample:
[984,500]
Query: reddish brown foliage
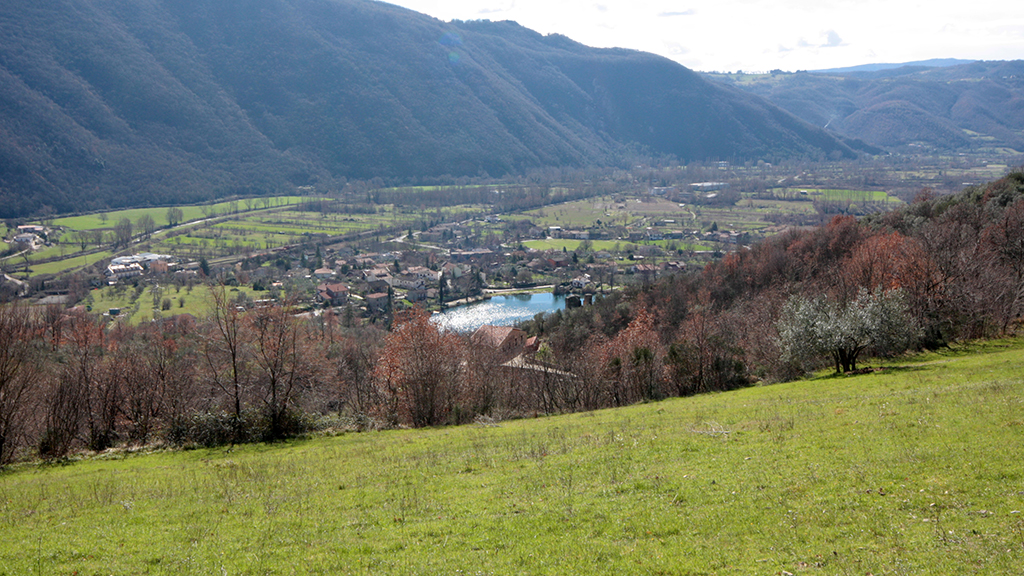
[417,374]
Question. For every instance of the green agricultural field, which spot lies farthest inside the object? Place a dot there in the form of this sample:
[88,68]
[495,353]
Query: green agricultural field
[233,235]
[300,223]
[974,175]
[581,213]
[912,470]
[780,207]
[264,230]
[611,245]
[142,306]
[570,245]
[70,263]
[189,213]
[45,252]
[856,196]
[836,195]
[748,214]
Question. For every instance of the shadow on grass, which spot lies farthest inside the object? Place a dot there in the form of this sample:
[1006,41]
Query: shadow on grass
[870,370]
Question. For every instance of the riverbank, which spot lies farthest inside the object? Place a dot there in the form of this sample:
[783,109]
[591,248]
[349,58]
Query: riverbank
[510,291]
[466,300]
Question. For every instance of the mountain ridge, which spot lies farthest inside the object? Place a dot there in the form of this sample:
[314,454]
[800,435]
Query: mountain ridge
[882,66]
[129,103]
[974,107]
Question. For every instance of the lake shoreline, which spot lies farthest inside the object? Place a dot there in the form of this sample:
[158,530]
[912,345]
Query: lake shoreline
[501,309]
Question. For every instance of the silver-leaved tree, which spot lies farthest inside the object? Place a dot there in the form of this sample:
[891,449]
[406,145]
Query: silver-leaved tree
[815,327]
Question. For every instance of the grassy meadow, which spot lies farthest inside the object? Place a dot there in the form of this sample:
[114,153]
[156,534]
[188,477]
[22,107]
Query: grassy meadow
[836,195]
[145,304]
[572,245]
[241,227]
[911,470]
[190,213]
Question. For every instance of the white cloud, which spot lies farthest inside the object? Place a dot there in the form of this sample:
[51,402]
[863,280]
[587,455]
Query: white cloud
[832,40]
[766,34]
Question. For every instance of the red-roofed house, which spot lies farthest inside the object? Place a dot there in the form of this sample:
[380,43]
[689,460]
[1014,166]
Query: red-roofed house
[377,302]
[507,341]
[336,294]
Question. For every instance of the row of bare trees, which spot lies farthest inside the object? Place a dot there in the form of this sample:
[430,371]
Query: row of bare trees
[68,382]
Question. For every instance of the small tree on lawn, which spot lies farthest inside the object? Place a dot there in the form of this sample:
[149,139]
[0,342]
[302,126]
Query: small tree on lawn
[816,327]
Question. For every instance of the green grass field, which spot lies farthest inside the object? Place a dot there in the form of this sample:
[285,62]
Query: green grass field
[72,261]
[136,309]
[912,470]
[159,215]
[269,224]
[836,195]
[571,245]
[610,245]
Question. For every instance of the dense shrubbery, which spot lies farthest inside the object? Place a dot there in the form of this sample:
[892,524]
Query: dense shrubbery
[209,429]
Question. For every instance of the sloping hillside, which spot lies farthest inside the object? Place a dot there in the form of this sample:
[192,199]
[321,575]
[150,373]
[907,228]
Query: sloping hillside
[914,469]
[970,107]
[118,102]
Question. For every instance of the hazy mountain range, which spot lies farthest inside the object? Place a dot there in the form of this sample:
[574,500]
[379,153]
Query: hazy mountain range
[135,102]
[932,105]
[932,63]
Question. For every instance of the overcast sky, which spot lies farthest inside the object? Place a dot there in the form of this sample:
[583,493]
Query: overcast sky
[761,35]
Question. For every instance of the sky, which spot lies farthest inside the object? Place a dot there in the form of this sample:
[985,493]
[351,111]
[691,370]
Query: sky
[763,35]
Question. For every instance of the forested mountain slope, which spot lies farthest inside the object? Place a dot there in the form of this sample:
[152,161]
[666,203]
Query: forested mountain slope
[977,106]
[118,102]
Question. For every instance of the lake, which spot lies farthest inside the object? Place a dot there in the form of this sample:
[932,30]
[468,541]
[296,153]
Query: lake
[503,310]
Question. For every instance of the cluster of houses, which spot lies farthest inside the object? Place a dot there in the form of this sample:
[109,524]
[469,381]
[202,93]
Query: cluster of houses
[30,236]
[126,268]
[379,278]
[377,281]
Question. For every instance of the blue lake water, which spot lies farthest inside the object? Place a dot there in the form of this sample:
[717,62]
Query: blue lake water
[504,310]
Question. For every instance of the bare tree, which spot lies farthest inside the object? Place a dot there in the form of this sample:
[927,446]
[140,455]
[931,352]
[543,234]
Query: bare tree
[147,225]
[354,361]
[156,375]
[275,337]
[68,398]
[174,216]
[1006,238]
[82,237]
[19,375]
[417,374]
[226,351]
[123,232]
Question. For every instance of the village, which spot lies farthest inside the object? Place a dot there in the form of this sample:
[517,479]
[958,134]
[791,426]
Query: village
[434,266]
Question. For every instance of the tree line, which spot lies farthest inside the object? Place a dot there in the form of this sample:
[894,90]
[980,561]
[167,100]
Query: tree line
[943,269]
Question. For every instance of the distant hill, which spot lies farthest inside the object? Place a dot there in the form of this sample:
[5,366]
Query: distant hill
[109,103]
[933,63]
[977,106]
